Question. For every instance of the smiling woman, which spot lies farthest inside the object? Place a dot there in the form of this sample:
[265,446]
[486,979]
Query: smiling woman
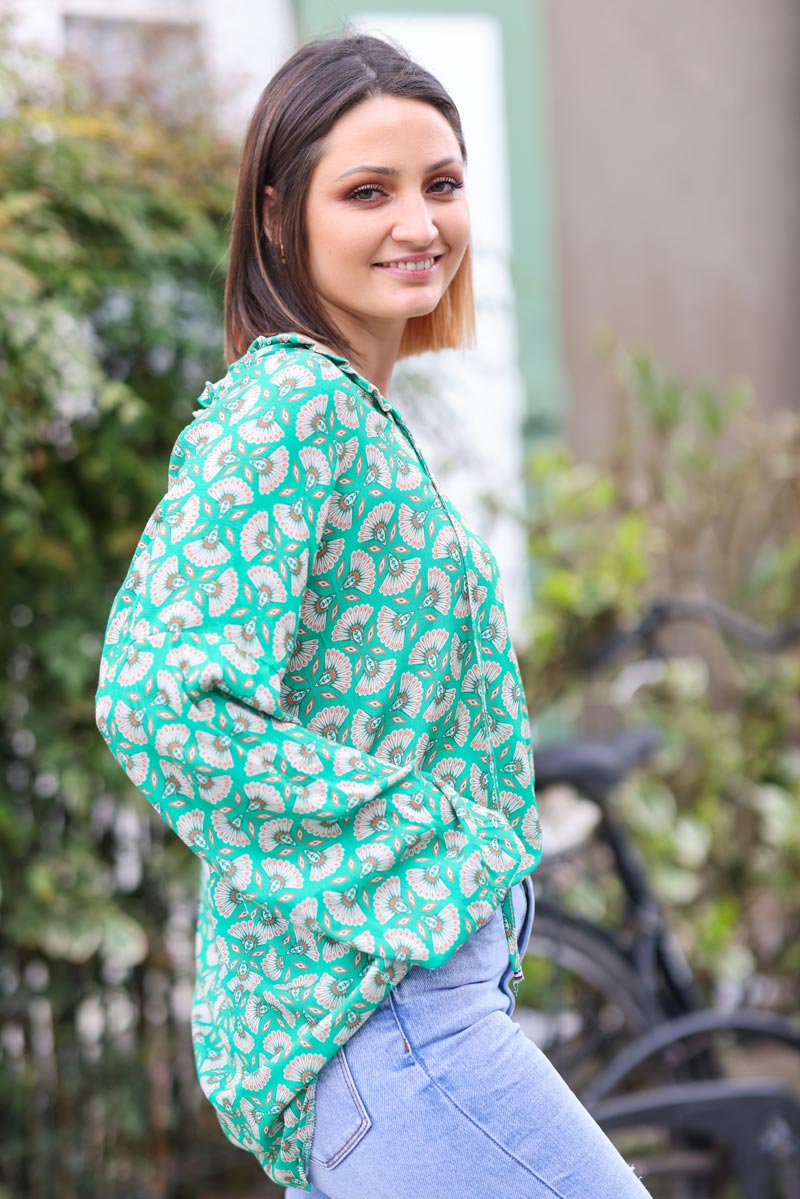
[308,673]
[386,250]
[332,197]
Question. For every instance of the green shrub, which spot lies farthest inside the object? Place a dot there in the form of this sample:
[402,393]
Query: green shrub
[112,244]
[700,501]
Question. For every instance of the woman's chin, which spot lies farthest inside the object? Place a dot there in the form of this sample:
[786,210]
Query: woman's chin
[419,305]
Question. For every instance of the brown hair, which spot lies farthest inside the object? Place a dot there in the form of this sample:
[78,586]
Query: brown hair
[283,144]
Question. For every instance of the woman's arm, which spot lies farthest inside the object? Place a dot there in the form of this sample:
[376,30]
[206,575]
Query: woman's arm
[329,838]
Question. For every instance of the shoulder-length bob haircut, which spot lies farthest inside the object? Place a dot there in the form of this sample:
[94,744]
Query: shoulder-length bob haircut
[284,142]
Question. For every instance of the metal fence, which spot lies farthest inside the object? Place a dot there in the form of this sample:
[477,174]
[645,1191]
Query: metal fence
[100,1098]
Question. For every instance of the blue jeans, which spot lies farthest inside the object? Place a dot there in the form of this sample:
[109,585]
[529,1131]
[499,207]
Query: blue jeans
[440,1095]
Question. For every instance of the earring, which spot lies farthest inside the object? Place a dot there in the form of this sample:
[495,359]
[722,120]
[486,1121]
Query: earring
[283,259]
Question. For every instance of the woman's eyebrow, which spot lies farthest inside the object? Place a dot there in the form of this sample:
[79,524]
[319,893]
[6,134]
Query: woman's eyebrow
[435,166]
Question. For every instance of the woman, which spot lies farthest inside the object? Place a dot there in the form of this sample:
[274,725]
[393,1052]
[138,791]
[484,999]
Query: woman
[308,673]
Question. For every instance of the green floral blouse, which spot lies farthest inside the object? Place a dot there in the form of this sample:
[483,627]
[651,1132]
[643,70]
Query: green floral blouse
[308,673]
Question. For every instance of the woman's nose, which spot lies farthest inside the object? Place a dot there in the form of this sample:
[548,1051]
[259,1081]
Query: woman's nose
[414,222]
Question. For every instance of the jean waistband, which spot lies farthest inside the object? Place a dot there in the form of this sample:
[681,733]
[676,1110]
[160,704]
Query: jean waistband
[483,959]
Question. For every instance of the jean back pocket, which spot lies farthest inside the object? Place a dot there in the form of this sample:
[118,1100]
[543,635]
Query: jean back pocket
[341,1118]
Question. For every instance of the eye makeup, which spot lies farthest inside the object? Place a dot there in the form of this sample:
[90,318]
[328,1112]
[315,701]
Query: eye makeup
[455,184]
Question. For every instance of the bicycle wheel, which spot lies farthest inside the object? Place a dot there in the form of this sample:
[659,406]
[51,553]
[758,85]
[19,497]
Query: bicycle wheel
[581,999]
[748,1103]
[582,1003]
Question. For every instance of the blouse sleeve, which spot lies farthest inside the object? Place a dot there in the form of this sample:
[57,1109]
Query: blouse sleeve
[190,700]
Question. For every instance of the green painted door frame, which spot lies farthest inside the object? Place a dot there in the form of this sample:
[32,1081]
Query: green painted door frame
[533,255]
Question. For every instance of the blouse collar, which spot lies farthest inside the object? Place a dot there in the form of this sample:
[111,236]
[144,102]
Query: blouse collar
[346,367]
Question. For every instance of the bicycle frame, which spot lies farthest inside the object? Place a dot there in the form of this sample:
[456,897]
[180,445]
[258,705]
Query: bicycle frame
[655,946]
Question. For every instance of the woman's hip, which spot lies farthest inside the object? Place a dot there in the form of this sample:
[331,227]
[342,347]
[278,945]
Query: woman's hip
[470,987]
[441,1093]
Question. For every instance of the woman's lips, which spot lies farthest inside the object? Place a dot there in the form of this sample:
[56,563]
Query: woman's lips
[414,272]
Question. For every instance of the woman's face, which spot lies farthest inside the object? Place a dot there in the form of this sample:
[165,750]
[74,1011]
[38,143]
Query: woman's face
[388,188]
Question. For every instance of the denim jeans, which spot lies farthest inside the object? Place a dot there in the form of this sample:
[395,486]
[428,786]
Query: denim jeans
[440,1095]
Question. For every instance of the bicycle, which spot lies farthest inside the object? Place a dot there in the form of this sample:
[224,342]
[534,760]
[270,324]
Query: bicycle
[629,1029]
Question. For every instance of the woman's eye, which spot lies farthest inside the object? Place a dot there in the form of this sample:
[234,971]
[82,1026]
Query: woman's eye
[358,192]
[452,184]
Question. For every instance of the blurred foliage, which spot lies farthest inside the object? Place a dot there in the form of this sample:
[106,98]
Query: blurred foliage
[113,232]
[701,500]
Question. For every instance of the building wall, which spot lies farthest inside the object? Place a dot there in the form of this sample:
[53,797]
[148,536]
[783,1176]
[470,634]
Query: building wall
[677,179]
[233,47]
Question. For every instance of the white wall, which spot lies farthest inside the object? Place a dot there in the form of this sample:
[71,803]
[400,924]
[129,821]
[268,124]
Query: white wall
[245,41]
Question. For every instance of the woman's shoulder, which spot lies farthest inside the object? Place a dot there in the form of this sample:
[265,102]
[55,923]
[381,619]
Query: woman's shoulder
[287,367]
[292,363]
[283,394]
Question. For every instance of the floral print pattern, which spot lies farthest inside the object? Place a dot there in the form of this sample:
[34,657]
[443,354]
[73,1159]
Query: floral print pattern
[308,673]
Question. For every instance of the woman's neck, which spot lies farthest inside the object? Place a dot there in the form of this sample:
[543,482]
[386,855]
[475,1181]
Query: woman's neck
[375,350]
